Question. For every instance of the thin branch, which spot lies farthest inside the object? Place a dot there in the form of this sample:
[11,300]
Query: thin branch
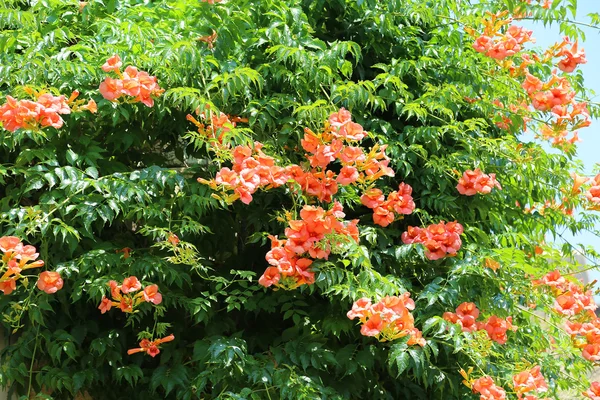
[557,21]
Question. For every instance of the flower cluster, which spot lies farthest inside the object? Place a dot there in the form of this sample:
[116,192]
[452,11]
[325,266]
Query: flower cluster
[214,126]
[503,115]
[384,211]
[586,336]
[466,316]
[487,389]
[252,170]
[555,97]
[16,258]
[45,112]
[440,240]
[564,207]
[123,295]
[497,327]
[318,232]
[573,302]
[473,182]
[572,57]
[529,381]
[139,85]
[593,193]
[334,143]
[570,298]
[314,236]
[593,392]
[499,45]
[388,319]
[150,347]
[26,114]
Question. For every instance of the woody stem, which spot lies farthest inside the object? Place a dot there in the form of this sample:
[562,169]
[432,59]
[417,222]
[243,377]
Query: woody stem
[37,335]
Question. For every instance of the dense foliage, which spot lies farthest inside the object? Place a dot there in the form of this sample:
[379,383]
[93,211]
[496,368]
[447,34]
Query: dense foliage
[158,262]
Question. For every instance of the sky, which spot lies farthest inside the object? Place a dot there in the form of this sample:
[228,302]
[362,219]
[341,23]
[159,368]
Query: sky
[589,148]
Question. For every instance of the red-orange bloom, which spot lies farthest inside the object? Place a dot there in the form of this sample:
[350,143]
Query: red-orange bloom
[151,294]
[209,39]
[8,285]
[91,106]
[439,240]
[382,216]
[125,300]
[450,317]
[125,251]
[572,59]
[111,89]
[16,258]
[137,84]
[269,277]
[112,64]
[532,84]
[131,284]
[593,392]
[388,319]
[416,337]
[591,352]
[567,304]
[496,328]
[360,309]
[467,309]
[9,243]
[492,264]
[466,316]
[577,182]
[473,182]
[554,279]
[340,118]
[173,239]
[50,282]
[105,305]
[126,304]
[488,390]
[573,328]
[372,198]
[352,131]
[315,233]
[151,347]
[483,43]
[347,175]
[115,289]
[373,326]
[529,380]
[400,202]
[593,194]
[26,114]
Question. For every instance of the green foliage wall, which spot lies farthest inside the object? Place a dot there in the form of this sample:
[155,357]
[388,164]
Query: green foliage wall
[126,178]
